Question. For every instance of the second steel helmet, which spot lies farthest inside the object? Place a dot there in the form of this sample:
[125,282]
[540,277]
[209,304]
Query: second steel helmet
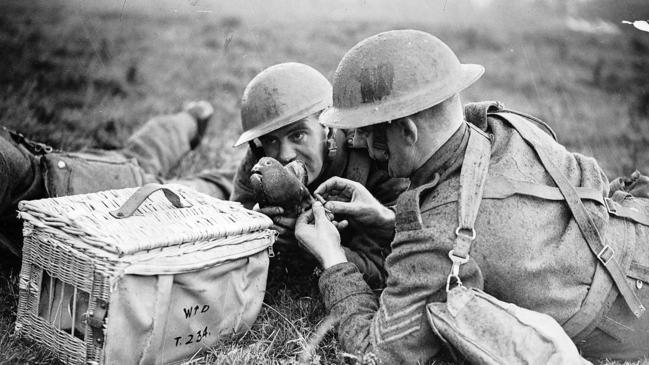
[392,75]
[280,95]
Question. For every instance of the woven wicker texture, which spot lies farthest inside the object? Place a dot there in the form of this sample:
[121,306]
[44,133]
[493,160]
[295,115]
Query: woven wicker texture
[156,224]
[76,242]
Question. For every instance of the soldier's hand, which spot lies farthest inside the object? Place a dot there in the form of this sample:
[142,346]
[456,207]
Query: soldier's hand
[284,225]
[318,236]
[353,200]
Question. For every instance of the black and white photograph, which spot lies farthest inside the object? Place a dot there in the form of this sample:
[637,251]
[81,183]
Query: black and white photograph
[365,182]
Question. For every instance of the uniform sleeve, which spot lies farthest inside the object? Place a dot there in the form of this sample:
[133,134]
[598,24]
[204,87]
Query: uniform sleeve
[242,191]
[393,329]
[368,253]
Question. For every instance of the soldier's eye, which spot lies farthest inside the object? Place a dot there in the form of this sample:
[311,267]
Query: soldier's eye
[298,136]
[364,131]
[268,141]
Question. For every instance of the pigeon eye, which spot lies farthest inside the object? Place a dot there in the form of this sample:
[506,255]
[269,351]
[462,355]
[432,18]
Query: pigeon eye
[267,163]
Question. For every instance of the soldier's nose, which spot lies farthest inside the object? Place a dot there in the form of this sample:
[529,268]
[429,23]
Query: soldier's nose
[377,154]
[286,155]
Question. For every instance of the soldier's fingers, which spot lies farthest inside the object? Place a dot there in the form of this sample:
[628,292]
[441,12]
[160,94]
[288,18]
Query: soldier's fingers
[338,207]
[319,213]
[337,184]
[280,230]
[341,225]
[304,218]
[284,221]
[271,210]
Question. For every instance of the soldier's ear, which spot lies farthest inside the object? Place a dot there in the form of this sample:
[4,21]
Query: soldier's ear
[407,129]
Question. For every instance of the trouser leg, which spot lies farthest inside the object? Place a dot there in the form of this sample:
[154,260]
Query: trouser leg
[162,142]
[21,174]
[20,179]
[216,183]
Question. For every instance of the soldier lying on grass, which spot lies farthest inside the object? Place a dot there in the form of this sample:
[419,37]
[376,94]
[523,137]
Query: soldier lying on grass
[31,170]
[551,235]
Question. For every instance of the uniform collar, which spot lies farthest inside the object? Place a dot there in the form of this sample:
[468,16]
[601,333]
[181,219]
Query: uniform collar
[445,161]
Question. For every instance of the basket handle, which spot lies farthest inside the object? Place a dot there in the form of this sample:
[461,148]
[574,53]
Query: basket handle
[140,195]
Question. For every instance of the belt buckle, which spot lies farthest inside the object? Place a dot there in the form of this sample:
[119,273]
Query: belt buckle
[609,205]
[602,252]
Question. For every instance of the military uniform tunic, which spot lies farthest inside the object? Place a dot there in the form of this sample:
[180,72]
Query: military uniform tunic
[365,250]
[528,251]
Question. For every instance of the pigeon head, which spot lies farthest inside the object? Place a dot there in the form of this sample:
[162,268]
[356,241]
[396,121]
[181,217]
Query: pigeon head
[264,166]
[275,184]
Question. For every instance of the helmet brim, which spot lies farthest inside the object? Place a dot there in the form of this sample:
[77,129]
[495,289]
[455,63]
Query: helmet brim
[399,107]
[277,123]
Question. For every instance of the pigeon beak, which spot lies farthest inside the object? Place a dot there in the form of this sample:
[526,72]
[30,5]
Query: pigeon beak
[255,175]
[255,179]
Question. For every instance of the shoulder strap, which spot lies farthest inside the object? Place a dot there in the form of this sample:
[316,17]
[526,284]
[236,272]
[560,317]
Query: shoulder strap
[477,113]
[600,249]
[618,210]
[502,187]
[472,180]
[539,123]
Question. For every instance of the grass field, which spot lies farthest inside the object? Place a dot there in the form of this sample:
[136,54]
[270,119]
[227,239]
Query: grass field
[86,74]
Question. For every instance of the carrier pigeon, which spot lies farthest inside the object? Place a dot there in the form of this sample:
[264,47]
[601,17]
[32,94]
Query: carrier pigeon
[284,186]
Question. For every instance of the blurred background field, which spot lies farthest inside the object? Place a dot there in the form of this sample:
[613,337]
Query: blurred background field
[85,74]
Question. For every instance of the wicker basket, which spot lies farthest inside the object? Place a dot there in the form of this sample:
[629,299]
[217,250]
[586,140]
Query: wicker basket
[77,254]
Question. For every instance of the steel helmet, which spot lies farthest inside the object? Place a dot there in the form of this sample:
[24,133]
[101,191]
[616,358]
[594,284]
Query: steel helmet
[392,75]
[280,95]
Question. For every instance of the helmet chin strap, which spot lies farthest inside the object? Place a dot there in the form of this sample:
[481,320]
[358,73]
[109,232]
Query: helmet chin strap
[332,146]
[256,149]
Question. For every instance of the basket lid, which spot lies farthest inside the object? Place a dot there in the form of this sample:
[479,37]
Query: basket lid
[156,224]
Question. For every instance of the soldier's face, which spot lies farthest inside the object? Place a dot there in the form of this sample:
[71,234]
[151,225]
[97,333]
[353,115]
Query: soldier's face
[386,142]
[305,140]
[375,139]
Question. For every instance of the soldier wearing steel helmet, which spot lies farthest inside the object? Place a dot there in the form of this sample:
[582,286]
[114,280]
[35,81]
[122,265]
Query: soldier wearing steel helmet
[32,170]
[279,114]
[492,195]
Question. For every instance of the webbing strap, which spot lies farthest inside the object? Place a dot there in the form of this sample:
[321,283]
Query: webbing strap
[614,208]
[501,187]
[472,179]
[600,249]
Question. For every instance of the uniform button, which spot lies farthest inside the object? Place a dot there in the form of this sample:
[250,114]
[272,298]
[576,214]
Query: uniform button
[638,284]
[61,164]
